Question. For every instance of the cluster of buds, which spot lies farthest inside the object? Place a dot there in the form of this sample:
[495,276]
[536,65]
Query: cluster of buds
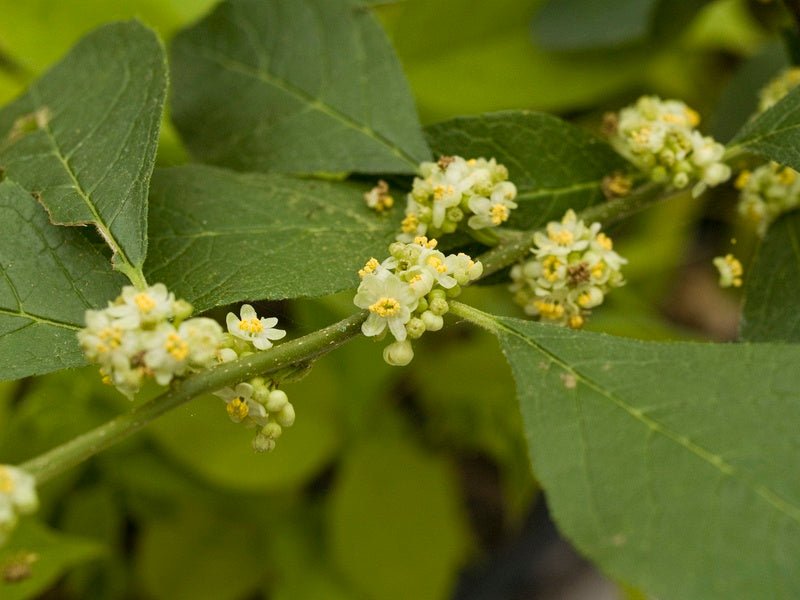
[147,334]
[730,270]
[778,87]
[17,497]
[659,137]
[259,403]
[767,192]
[452,190]
[255,403]
[407,293]
[573,268]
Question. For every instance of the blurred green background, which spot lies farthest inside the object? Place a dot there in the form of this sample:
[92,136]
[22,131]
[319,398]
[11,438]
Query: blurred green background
[394,483]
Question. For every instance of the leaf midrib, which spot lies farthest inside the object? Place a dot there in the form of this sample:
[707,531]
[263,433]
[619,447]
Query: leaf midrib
[39,319]
[768,495]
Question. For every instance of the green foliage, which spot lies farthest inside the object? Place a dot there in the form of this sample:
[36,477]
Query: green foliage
[390,490]
[219,237]
[333,100]
[769,314]
[551,176]
[50,276]
[651,462]
[88,157]
[775,133]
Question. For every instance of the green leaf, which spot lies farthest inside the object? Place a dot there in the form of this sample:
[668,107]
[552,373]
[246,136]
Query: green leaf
[554,165]
[317,88]
[395,527]
[84,136]
[588,24]
[775,133]
[219,237]
[669,464]
[48,555]
[773,284]
[49,276]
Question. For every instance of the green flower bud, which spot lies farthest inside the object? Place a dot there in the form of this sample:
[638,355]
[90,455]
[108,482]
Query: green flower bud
[437,293]
[432,322]
[449,227]
[454,292]
[277,400]
[182,309]
[272,430]
[439,306]
[415,328]
[398,354]
[454,214]
[262,443]
[422,306]
[285,417]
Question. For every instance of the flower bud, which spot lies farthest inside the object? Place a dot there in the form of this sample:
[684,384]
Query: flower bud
[415,328]
[432,322]
[398,354]
[262,443]
[439,306]
[277,400]
[285,417]
[272,430]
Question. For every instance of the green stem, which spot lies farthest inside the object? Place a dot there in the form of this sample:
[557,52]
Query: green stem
[135,274]
[515,246]
[304,349]
[473,315]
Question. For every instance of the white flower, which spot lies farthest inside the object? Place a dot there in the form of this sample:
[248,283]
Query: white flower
[135,308]
[389,301]
[495,210]
[766,193]
[463,268]
[258,331]
[168,353]
[204,337]
[573,268]
[240,404]
[17,497]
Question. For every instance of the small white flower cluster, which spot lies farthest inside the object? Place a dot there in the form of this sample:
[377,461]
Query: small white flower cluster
[378,198]
[573,268]
[147,333]
[778,87]
[659,137]
[730,270]
[407,293]
[256,403]
[453,189]
[767,192]
[17,497]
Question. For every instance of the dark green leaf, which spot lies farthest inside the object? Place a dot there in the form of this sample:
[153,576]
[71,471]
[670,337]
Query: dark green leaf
[554,165]
[219,237]
[294,86]
[775,133]
[84,136]
[773,285]
[651,461]
[48,555]
[50,276]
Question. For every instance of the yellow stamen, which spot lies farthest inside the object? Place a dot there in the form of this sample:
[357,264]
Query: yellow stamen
[576,321]
[410,223]
[385,307]
[598,270]
[6,481]
[436,263]
[176,346]
[499,213]
[251,325]
[237,409]
[787,176]
[604,241]
[371,265]
[551,265]
[641,135]
[563,237]
[693,117]
[549,310]
[742,180]
[440,191]
[144,302]
[584,299]
[423,241]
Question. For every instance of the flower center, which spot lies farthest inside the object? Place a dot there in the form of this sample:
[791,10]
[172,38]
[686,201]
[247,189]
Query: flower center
[385,307]
[371,265]
[410,223]
[550,266]
[498,213]
[144,302]
[562,237]
[237,409]
[440,191]
[176,346]
[436,263]
[604,241]
[251,325]
[549,310]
